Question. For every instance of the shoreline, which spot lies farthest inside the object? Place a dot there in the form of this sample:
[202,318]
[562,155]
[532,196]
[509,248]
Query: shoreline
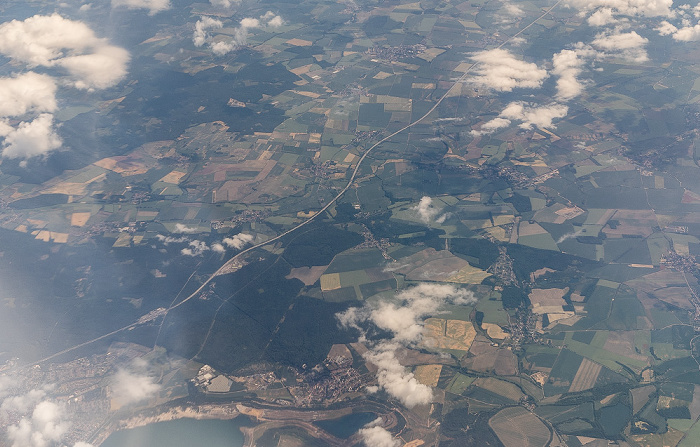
[201,412]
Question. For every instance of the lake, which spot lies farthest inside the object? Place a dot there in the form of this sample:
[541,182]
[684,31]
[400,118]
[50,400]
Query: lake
[180,433]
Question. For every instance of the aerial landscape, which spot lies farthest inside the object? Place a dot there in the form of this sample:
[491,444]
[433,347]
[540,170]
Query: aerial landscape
[381,223]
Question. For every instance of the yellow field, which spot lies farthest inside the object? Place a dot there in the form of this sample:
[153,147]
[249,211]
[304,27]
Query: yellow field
[173,177]
[299,42]
[428,375]
[494,331]
[330,281]
[448,334]
[469,275]
[79,219]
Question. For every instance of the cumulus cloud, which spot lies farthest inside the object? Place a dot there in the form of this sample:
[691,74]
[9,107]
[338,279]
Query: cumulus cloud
[529,115]
[29,139]
[374,436]
[27,92]
[646,8]
[686,33]
[42,422]
[425,209]
[567,65]
[602,17]
[225,45]
[153,6]
[132,385]
[98,70]
[195,248]
[272,20]
[54,41]
[499,70]
[171,240]
[22,403]
[403,318]
[46,426]
[224,3]
[73,55]
[427,212]
[396,379]
[513,10]
[182,228]
[665,28]
[200,35]
[628,45]
[238,241]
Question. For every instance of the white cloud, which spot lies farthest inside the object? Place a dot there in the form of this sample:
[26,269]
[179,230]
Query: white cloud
[425,209]
[8,383]
[395,379]
[200,35]
[271,19]
[182,228]
[218,248]
[492,125]
[540,116]
[403,317]
[238,241]
[686,33]
[628,45]
[567,65]
[153,6]
[378,437]
[224,3]
[249,22]
[171,240]
[665,28]
[275,22]
[498,69]
[647,8]
[427,212]
[27,92]
[73,54]
[529,115]
[41,40]
[513,10]
[24,402]
[46,426]
[602,17]
[130,387]
[29,139]
[223,45]
[195,248]
[103,68]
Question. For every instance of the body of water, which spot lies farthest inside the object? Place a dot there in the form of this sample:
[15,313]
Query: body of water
[346,426]
[180,433]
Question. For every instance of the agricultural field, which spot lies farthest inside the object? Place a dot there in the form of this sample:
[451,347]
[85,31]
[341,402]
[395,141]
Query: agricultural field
[516,426]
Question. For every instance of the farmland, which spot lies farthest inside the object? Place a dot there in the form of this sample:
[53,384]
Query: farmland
[348,154]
